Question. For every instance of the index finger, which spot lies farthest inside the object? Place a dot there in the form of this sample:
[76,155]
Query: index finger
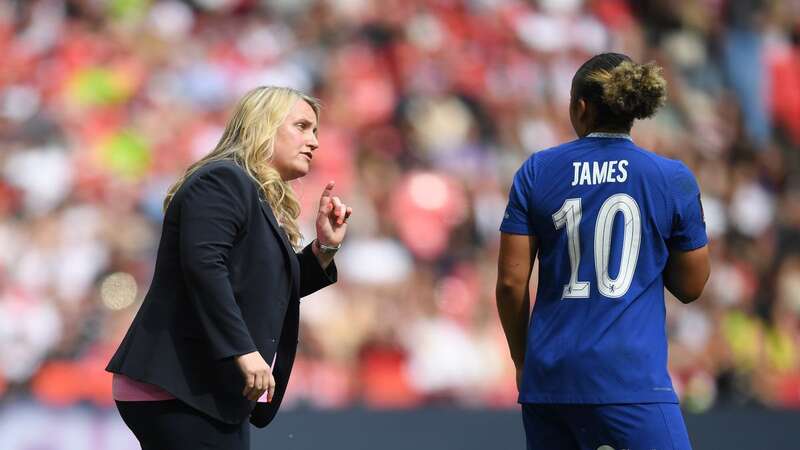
[327,192]
[328,188]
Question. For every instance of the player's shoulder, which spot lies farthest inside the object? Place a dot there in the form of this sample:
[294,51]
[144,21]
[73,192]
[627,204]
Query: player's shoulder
[559,150]
[675,175]
[532,164]
[667,168]
[545,157]
[664,163]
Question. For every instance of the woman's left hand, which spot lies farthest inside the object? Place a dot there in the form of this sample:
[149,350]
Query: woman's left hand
[332,218]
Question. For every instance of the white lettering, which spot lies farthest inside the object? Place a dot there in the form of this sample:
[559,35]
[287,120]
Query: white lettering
[586,174]
[590,173]
[577,166]
[623,168]
[612,169]
[599,172]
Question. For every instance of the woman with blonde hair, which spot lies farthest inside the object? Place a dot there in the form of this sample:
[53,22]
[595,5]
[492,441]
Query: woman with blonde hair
[224,300]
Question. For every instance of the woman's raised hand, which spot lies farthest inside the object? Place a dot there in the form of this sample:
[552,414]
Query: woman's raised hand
[332,218]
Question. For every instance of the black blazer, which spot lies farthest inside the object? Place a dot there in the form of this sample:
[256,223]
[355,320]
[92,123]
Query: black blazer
[227,282]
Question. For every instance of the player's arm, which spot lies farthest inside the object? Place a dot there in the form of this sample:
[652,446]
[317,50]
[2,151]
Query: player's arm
[686,273]
[688,265]
[517,253]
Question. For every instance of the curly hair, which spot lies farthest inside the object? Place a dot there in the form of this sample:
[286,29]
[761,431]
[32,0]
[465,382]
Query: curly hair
[620,89]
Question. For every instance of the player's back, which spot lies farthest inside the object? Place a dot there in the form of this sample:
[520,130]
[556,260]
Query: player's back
[605,213]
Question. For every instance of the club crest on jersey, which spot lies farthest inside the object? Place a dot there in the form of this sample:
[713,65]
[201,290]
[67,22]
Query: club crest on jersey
[589,173]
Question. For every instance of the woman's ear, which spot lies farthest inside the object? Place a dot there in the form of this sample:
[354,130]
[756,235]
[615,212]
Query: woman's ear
[579,115]
[581,110]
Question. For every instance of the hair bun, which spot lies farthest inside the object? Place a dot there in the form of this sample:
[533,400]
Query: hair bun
[633,90]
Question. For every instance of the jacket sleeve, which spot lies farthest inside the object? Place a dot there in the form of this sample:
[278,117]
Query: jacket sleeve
[312,276]
[212,215]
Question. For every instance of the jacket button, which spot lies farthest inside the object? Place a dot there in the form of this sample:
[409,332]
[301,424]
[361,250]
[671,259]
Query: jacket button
[274,340]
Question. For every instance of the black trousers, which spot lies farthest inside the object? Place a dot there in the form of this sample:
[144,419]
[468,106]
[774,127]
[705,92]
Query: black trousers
[173,425]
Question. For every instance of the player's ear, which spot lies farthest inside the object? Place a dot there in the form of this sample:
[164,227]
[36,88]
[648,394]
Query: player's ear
[577,114]
[582,109]
[586,114]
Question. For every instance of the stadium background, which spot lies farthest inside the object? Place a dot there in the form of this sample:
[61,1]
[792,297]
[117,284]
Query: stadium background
[429,108]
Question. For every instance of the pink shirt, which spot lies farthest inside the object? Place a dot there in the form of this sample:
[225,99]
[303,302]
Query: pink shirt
[126,389]
[129,390]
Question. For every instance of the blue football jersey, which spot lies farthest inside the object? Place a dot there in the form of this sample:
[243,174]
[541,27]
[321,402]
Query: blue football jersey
[605,213]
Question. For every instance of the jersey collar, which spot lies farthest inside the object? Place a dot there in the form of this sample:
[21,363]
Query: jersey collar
[598,134]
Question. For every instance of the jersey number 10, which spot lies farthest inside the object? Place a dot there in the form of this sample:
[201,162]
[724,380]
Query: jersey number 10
[570,215]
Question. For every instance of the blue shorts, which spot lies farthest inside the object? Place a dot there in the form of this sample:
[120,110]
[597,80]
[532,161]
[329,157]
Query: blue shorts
[640,426]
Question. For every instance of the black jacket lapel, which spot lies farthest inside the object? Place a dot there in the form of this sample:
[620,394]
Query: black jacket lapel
[291,256]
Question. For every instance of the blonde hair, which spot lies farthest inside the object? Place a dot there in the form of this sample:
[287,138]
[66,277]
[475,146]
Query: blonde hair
[620,89]
[632,90]
[249,141]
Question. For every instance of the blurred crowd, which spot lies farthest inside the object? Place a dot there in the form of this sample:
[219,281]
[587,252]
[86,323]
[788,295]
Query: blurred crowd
[429,108]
